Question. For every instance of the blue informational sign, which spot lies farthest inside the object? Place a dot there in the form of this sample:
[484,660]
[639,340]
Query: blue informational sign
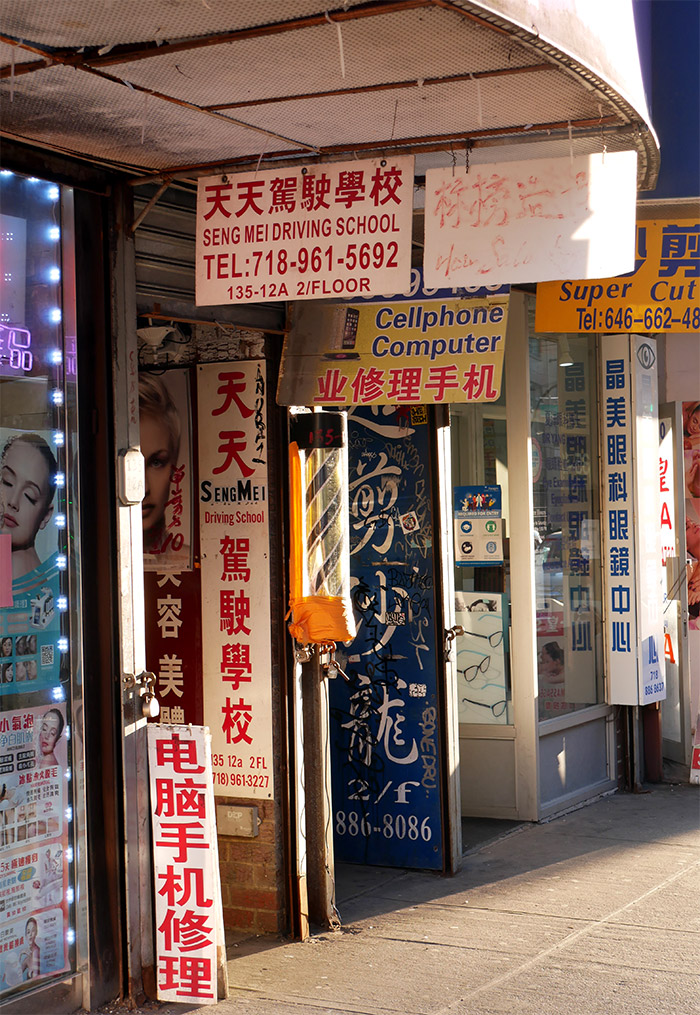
[385,728]
[29,630]
[417,291]
[477,526]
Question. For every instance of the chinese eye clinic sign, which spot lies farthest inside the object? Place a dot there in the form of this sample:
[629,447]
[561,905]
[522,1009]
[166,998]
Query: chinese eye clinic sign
[305,232]
[631,500]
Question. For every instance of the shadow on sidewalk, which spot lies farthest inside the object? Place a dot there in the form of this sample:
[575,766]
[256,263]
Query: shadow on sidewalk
[560,847]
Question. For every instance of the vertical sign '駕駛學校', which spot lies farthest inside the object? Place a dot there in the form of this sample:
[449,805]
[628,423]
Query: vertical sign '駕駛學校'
[234,542]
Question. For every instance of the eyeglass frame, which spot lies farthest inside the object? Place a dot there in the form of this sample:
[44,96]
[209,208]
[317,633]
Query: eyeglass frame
[494,634]
[496,715]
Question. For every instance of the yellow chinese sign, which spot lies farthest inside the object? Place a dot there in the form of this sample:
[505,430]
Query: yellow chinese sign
[395,352]
[661,294]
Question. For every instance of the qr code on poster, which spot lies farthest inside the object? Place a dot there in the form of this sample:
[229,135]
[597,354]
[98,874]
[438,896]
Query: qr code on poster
[47,655]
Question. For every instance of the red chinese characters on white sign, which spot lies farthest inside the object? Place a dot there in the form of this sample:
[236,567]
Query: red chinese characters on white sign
[187,902]
[234,536]
[341,229]
[529,221]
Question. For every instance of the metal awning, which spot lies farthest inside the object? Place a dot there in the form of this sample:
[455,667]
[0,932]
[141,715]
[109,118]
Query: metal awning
[176,88]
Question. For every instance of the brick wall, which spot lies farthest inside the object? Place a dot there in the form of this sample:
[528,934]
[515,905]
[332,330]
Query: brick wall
[252,876]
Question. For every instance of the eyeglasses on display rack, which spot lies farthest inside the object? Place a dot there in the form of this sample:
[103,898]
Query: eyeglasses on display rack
[471,672]
[498,708]
[494,639]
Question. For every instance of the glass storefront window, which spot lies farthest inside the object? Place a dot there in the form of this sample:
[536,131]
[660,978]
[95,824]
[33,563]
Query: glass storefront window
[566,533]
[41,732]
[482,593]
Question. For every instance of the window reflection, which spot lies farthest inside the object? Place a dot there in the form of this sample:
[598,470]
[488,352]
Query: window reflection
[566,522]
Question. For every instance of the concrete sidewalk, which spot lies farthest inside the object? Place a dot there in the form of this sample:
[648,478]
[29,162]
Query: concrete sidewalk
[595,912]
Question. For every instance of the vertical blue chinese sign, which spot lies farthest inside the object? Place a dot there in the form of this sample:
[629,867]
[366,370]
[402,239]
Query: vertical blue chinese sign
[384,726]
[618,528]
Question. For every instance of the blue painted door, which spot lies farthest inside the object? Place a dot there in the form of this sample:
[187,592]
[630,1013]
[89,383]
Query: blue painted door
[384,726]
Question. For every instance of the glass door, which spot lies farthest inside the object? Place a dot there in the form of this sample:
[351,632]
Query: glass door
[42,890]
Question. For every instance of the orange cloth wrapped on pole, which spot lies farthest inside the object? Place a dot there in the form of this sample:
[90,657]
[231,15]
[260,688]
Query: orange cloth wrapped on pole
[319,558]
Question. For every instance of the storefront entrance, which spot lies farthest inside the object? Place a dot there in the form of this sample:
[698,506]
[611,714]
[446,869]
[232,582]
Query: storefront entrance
[494,630]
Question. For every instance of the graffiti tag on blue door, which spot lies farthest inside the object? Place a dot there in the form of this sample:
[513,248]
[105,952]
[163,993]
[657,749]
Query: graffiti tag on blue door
[384,719]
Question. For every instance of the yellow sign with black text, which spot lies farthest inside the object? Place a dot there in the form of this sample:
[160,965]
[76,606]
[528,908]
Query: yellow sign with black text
[661,294]
[422,352]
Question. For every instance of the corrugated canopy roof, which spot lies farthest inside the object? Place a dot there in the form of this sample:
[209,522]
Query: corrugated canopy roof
[175,88]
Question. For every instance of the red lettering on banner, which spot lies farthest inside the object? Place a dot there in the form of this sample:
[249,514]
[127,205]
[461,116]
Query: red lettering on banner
[181,754]
[182,837]
[405,384]
[190,931]
[313,191]
[178,886]
[478,381]
[191,974]
[233,443]
[663,470]
[668,649]
[237,717]
[234,610]
[180,800]
[250,191]
[351,188]
[331,387]
[232,385]
[388,180]
[283,190]
[368,385]
[218,195]
[234,553]
[235,664]
[442,378]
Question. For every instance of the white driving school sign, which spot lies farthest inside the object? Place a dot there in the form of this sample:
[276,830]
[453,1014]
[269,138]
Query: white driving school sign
[340,229]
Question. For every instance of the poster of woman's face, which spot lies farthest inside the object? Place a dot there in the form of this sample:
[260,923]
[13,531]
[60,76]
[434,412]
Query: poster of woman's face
[28,470]
[691,449]
[691,462]
[166,445]
[691,456]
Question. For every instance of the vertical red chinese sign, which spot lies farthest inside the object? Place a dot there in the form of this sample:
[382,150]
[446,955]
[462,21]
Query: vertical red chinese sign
[234,542]
[187,888]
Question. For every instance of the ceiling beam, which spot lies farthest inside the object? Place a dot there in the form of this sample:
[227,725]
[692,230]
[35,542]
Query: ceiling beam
[448,79]
[129,53]
[453,143]
[220,117]
[102,56]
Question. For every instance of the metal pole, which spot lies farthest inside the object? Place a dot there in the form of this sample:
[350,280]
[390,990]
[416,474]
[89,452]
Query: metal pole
[319,811]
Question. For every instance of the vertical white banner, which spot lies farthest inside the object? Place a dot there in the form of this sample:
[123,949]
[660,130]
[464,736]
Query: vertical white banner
[617,503]
[671,714]
[645,406]
[187,893]
[234,541]
[631,506]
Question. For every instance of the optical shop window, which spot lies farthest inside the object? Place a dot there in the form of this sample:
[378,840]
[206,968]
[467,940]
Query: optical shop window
[566,522]
[482,587]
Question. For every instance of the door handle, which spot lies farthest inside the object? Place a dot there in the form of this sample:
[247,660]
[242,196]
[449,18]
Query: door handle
[150,706]
[450,634]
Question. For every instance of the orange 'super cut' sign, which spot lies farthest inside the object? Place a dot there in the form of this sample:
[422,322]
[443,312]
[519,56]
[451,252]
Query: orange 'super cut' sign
[661,294]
